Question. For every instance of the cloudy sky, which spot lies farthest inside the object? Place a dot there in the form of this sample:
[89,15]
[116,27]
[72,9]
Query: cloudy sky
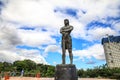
[30,29]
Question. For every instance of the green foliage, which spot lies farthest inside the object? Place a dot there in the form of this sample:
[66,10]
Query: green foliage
[20,65]
[31,69]
[101,71]
[1,66]
[80,73]
[7,66]
[50,71]
[30,65]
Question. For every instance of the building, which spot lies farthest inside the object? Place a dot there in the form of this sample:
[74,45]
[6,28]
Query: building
[111,46]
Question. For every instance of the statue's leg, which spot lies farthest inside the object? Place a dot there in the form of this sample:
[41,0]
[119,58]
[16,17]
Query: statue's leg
[63,52]
[70,56]
[63,56]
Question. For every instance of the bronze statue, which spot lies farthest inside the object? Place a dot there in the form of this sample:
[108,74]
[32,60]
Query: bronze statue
[66,41]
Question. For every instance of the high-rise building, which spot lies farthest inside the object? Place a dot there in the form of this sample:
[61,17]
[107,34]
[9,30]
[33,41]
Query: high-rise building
[111,46]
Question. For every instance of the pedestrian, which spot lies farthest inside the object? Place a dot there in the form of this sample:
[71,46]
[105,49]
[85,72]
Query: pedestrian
[22,73]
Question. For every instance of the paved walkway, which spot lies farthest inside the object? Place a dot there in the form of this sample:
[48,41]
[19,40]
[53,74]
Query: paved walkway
[33,78]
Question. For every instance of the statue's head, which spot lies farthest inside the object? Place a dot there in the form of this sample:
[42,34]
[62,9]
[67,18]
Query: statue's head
[66,22]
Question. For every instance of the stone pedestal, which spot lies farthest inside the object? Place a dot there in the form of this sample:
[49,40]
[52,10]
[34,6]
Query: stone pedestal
[66,72]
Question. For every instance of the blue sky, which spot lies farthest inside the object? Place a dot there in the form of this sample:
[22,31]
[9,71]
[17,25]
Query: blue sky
[30,29]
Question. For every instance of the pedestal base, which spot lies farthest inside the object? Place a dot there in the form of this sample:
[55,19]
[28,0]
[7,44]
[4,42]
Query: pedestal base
[66,72]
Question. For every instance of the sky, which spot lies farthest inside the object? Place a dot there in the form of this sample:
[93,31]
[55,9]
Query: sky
[30,29]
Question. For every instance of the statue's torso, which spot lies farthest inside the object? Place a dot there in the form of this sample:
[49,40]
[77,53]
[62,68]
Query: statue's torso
[66,37]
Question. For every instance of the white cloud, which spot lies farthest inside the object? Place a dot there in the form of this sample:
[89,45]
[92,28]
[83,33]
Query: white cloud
[116,26]
[9,39]
[79,29]
[32,55]
[41,13]
[90,62]
[95,51]
[11,56]
[98,33]
[52,48]
[36,38]
[55,63]
[98,9]
[30,12]
[8,36]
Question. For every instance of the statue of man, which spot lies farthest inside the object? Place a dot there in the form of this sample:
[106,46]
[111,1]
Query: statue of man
[66,41]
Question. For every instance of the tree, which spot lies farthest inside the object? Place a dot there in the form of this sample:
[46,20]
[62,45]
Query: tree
[30,65]
[7,66]
[50,71]
[19,65]
[81,73]
[1,66]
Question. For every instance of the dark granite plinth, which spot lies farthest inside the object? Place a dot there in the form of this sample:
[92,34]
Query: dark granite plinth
[66,72]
